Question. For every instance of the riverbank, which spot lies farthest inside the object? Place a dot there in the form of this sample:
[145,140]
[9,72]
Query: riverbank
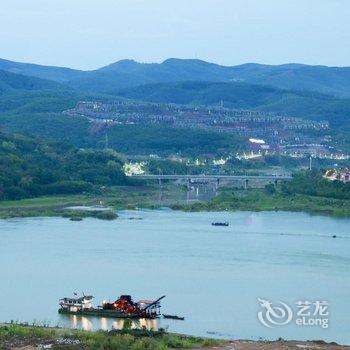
[24,337]
[228,199]
[114,198]
[19,336]
[261,200]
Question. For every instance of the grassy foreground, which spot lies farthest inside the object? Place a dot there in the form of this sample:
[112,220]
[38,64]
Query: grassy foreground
[126,339]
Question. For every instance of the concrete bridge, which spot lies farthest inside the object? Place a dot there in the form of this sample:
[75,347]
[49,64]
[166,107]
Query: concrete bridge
[217,178]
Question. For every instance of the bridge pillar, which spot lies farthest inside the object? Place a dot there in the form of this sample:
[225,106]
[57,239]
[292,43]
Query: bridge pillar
[160,182]
[246,184]
[189,184]
[217,183]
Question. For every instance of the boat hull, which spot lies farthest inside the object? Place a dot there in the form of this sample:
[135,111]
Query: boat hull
[103,313]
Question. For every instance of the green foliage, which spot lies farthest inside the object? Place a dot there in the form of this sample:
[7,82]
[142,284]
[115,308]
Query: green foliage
[30,167]
[307,192]
[10,82]
[58,74]
[106,215]
[126,339]
[34,105]
[140,139]
[313,184]
[270,189]
[127,73]
[166,167]
[309,105]
[130,139]
[122,197]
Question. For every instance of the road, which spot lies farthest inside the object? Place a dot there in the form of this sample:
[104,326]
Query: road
[214,177]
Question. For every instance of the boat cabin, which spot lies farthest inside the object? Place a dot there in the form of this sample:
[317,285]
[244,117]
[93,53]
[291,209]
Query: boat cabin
[76,304]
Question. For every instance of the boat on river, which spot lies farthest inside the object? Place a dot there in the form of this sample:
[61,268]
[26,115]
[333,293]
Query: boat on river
[220,223]
[123,307]
[173,317]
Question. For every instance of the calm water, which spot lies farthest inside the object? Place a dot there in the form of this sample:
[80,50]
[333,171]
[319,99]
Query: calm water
[211,275]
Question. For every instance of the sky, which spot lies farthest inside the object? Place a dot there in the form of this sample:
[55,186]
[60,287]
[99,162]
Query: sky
[87,34]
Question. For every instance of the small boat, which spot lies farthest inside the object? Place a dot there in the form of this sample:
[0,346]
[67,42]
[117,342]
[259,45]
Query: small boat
[220,223]
[76,218]
[173,317]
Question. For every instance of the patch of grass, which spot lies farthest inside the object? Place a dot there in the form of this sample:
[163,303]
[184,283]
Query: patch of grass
[260,200]
[80,214]
[117,198]
[45,201]
[139,339]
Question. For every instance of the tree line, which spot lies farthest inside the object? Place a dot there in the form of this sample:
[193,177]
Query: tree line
[31,167]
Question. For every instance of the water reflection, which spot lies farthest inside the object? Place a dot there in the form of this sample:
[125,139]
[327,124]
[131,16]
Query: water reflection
[86,324]
[106,324]
[195,192]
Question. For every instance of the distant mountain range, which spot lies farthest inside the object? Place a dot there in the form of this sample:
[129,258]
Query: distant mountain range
[128,73]
[291,90]
[57,74]
[32,98]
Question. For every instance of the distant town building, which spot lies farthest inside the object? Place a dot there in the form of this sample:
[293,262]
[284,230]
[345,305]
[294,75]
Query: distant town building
[342,175]
[134,168]
[258,144]
[219,161]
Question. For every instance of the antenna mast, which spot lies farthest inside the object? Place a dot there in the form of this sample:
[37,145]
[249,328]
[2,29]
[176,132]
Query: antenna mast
[106,141]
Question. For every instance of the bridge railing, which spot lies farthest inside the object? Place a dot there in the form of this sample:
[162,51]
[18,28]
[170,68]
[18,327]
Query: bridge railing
[212,177]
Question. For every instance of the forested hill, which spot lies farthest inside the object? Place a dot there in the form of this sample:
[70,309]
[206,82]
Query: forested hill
[129,73]
[30,167]
[311,105]
[329,80]
[58,74]
[11,83]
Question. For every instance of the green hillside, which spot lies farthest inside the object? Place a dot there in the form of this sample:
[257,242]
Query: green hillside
[33,105]
[129,73]
[30,167]
[309,105]
[10,82]
[323,79]
[58,74]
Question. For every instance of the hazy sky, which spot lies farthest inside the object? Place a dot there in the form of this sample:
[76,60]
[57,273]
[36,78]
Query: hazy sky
[91,33]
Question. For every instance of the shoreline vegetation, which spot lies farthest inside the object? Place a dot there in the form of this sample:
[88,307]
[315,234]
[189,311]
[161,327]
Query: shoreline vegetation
[307,192]
[258,200]
[43,177]
[46,206]
[32,337]
[228,199]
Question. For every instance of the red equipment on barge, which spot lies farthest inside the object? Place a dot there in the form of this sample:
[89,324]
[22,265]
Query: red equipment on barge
[142,308]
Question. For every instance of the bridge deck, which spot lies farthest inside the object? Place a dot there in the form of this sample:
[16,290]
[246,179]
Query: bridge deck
[213,177]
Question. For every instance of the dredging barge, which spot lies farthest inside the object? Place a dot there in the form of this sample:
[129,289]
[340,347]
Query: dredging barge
[123,307]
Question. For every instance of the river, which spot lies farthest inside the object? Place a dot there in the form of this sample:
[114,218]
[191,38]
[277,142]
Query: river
[211,275]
